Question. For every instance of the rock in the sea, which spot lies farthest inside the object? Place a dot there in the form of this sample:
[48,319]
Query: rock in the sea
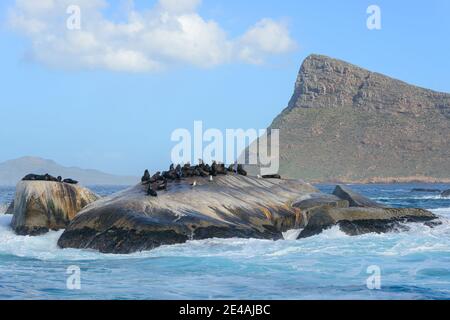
[356,221]
[10,209]
[40,206]
[318,200]
[230,206]
[446,193]
[355,199]
[425,190]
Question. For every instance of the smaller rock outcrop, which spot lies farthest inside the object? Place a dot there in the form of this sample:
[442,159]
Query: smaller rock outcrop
[446,193]
[358,220]
[319,200]
[355,199]
[425,190]
[40,206]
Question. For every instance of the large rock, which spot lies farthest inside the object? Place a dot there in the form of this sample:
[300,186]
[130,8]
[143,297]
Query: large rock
[356,221]
[446,193]
[347,124]
[229,206]
[40,206]
[355,199]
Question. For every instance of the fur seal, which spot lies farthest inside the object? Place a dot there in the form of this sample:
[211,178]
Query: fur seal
[146,177]
[151,192]
[70,181]
[272,176]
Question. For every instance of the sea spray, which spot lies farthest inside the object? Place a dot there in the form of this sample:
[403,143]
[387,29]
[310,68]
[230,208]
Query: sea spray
[3,208]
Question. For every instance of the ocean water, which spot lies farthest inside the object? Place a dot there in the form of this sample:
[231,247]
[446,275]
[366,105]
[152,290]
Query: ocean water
[412,265]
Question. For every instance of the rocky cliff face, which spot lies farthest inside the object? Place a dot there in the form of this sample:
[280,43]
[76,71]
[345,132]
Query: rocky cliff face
[348,124]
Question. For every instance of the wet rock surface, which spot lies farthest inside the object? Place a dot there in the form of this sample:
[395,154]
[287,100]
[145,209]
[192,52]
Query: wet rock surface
[194,207]
[228,206]
[358,220]
[40,206]
[355,199]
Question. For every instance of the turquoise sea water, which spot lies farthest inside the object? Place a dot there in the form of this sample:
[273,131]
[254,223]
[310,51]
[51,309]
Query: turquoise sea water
[413,264]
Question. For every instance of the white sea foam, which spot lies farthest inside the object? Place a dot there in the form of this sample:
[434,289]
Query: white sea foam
[334,242]
[441,211]
[42,247]
[3,208]
[292,234]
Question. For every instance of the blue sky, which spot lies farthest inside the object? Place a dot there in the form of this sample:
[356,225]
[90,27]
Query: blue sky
[93,115]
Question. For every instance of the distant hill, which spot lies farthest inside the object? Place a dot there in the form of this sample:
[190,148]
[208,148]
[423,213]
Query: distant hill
[13,170]
[348,124]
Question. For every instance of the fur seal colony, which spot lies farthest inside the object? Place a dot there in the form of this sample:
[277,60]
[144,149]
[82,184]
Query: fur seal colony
[159,181]
[47,177]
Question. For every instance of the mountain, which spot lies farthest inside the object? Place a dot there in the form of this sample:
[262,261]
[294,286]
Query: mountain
[14,170]
[345,123]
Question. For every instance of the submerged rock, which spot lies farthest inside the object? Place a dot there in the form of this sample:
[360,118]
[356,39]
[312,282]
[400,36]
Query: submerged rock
[356,221]
[446,193]
[425,190]
[192,208]
[355,199]
[40,206]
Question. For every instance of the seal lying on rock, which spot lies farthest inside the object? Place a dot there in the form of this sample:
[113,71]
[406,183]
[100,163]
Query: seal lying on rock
[47,177]
[70,181]
[271,176]
[160,181]
[38,177]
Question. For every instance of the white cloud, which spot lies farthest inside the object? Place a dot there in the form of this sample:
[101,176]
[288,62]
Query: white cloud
[266,37]
[171,33]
